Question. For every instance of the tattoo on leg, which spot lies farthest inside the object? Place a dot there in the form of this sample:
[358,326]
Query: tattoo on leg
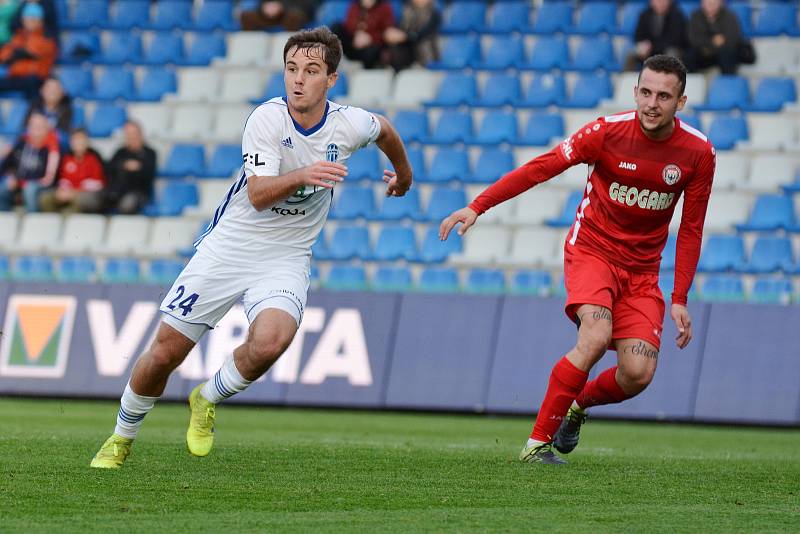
[643,350]
[600,315]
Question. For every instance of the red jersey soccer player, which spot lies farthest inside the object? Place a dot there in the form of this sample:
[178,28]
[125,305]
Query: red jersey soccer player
[640,163]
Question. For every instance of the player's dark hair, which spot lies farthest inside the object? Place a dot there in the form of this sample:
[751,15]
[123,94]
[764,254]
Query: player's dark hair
[79,130]
[319,37]
[667,65]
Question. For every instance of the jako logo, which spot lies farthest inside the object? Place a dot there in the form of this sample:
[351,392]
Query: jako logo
[36,336]
[627,166]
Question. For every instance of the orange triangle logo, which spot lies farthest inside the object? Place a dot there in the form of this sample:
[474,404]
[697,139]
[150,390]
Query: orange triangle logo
[37,323]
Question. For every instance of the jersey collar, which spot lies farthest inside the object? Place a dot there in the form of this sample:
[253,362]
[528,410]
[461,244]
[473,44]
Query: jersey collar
[314,128]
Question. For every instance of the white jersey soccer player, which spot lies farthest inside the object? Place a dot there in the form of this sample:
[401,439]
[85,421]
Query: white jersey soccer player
[258,246]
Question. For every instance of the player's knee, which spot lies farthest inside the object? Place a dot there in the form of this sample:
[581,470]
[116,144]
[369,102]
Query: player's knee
[593,340]
[267,346]
[637,378]
[165,357]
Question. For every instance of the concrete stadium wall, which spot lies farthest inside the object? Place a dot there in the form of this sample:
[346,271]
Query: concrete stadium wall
[472,353]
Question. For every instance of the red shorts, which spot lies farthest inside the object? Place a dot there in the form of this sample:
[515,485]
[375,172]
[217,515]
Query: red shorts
[635,300]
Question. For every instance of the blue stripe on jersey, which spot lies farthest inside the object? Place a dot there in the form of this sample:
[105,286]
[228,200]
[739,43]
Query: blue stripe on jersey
[313,129]
[235,188]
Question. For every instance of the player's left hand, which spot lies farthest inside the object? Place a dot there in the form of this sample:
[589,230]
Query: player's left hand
[683,322]
[396,186]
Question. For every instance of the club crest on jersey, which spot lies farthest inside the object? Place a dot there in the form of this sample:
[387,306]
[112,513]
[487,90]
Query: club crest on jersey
[671,174]
[332,153]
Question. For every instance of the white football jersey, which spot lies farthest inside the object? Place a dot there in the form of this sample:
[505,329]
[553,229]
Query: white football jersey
[273,144]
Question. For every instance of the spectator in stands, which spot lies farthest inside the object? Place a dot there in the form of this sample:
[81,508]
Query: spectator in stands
[29,55]
[54,104]
[8,9]
[661,30]
[81,179]
[715,38]
[49,15]
[291,15]
[362,31]
[416,37]
[131,173]
[31,165]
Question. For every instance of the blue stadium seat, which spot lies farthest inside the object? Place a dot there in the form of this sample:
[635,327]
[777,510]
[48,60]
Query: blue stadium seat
[493,162]
[225,160]
[156,82]
[396,243]
[745,13]
[169,15]
[439,280]
[275,87]
[349,242]
[723,288]
[596,17]
[33,269]
[106,118]
[539,283]
[464,17]
[726,131]
[631,11]
[770,212]
[567,216]
[722,253]
[772,291]
[122,47]
[776,18]
[77,81]
[486,281]
[772,93]
[79,46]
[594,53]
[87,14]
[14,122]
[166,47]
[452,127]
[770,254]
[589,90]
[405,207]
[115,82]
[215,15]
[392,279]
[78,116]
[545,90]
[184,160]
[364,164]
[542,127]
[449,164]
[497,127]
[341,87]
[353,203]
[458,52]
[504,52]
[500,89]
[668,254]
[172,199]
[5,269]
[319,250]
[456,89]
[77,269]
[794,187]
[416,157]
[509,17]
[205,48]
[332,11]
[133,14]
[434,250]
[444,201]
[692,119]
[553,17]
[727,92]
[164,272]
[549,52]
[346,278]
[412,125]
[121,271]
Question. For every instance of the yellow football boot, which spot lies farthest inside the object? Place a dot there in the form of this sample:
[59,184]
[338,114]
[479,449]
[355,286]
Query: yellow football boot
[200,436]
[113,453]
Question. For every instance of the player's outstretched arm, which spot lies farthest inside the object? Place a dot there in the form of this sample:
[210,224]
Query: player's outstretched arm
[683,321]
[399,181]
[466,216]
[266,191]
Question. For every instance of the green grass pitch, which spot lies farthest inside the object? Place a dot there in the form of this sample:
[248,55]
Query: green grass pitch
[335,471]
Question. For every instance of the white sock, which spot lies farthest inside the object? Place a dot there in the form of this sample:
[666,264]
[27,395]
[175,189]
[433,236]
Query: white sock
[227,382]
[576,406]
[132,409]
[533,443]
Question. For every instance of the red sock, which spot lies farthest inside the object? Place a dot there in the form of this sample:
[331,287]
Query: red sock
[602,390]
[566,381]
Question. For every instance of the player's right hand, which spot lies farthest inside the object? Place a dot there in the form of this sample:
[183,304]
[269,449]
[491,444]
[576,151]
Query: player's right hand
[323,173]
[465,216]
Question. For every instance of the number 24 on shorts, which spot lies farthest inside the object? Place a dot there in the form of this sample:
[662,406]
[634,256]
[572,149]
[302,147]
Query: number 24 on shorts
[186,304]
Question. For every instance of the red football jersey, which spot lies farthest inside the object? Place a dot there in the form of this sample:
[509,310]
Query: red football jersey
[631,192]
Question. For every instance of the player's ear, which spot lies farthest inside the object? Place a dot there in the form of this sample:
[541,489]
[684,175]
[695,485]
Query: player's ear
[681,102]
[332,77]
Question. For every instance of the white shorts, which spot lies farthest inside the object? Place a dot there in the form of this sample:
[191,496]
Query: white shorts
[207,288]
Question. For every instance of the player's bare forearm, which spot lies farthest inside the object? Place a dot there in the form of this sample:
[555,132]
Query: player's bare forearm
[266,191]
[390,144]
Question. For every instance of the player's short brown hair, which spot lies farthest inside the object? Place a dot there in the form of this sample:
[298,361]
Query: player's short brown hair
[321,37]
[667,65]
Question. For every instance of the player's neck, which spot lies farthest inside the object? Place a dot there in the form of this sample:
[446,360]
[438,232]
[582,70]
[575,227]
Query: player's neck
[661,134]
[309,118]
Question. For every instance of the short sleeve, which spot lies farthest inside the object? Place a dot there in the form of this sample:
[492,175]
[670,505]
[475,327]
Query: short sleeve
[260,143]
[366,126]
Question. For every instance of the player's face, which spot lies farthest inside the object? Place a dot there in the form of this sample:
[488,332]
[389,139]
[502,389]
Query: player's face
[306,78]
[657,101]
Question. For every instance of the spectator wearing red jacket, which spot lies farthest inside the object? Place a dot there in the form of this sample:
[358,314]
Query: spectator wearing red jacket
[363,29]
[81,179]
[29,55]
